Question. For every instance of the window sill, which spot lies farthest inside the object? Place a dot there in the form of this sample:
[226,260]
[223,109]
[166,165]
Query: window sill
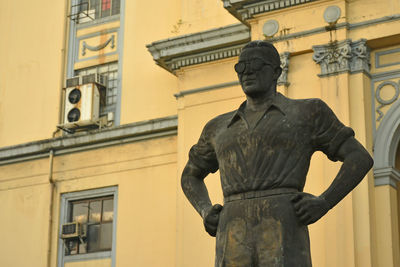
[88,256]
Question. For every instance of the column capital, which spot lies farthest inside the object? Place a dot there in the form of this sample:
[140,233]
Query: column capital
[386,176]
[344,56]
[283,79]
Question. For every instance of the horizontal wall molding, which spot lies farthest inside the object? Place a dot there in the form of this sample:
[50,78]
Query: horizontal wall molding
[206,46]
[308,32]
[348,26]
[85,141]
[206,88]
[374,21]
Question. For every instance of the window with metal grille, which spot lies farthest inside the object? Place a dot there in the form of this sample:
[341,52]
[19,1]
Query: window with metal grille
[110,71]
[95,216]
[96,9]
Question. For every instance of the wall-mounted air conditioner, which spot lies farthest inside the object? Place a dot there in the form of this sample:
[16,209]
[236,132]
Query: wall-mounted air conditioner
[72,230]
[83,97]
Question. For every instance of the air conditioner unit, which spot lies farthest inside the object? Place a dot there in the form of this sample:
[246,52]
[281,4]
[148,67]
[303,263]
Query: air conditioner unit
[82,105]
[83,97]
[72,230]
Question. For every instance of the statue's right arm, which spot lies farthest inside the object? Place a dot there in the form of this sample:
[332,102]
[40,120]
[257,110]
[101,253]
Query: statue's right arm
[196,191]
[194,188]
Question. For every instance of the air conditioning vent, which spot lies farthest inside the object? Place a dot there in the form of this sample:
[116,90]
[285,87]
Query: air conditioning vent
[94,78]
[71,82]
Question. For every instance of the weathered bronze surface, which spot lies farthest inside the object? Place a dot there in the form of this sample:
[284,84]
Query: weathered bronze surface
[263,152]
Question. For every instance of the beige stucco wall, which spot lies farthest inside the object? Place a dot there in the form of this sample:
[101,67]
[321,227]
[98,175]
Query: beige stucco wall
[32,52]
[24,194]
[144,173]
[148,89]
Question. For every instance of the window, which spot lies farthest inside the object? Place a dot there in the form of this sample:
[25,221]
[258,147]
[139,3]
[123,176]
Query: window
[110,71]
[95,216]
[96,9]
[87,225]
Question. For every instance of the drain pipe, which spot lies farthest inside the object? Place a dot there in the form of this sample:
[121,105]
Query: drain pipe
[52,188]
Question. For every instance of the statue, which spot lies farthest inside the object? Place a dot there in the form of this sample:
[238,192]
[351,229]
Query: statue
[263,152]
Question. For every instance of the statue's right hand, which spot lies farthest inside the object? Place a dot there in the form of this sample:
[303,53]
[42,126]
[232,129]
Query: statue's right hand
[211,219]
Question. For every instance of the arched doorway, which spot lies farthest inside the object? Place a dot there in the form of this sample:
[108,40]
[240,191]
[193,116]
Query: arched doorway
[387,185]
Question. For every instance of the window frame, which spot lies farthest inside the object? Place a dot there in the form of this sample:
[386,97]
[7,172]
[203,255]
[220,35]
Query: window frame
[74,9]
[66,200]
[73,49]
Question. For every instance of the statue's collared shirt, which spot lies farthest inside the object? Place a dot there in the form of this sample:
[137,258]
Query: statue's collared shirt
[276,152]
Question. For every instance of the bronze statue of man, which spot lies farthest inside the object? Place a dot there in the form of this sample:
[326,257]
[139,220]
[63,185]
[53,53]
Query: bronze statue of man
[263,152]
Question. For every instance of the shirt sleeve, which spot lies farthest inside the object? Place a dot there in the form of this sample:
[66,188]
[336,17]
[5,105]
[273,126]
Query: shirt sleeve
[329,132]
[203,154]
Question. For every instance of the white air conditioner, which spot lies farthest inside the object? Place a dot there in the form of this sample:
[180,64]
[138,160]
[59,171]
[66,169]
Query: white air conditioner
[82,105]
[72,230]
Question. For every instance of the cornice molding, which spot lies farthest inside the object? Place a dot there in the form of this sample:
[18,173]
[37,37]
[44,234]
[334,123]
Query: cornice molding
[246,9]
[191,49]
[84,141]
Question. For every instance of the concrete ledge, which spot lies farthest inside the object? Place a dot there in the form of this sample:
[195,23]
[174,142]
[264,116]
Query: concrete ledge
[199,45]
[85,141]
[206,88]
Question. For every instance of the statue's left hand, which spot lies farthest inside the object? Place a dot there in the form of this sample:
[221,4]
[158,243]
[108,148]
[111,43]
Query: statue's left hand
[211,219]
[309,208]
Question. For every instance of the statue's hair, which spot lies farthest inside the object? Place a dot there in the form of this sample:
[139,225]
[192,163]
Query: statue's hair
[274,54]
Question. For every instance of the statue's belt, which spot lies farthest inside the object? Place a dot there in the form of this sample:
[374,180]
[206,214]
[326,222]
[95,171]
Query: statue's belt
[261,193]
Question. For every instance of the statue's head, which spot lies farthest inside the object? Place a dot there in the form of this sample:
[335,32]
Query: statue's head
[258,68]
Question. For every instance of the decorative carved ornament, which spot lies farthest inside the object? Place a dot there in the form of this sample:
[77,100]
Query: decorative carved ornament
[384,102]
[98,47]
[283,79]
[344,56]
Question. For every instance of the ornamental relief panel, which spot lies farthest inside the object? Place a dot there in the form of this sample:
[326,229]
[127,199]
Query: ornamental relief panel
[98,45]
[386,92]
[385,82]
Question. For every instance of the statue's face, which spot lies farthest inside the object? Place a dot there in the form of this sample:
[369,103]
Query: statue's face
[255,71]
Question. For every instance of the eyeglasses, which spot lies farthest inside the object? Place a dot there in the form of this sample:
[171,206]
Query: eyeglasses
[255,65]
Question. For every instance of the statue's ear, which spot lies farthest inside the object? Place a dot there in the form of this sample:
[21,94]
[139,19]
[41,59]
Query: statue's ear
[278,72]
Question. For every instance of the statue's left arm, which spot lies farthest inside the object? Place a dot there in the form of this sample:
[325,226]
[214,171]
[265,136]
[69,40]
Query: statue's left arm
[356,163]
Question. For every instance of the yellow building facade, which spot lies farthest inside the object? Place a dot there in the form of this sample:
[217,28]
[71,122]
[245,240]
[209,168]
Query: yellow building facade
[105,190]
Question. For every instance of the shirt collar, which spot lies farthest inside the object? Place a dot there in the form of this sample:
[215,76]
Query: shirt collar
[279,102]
